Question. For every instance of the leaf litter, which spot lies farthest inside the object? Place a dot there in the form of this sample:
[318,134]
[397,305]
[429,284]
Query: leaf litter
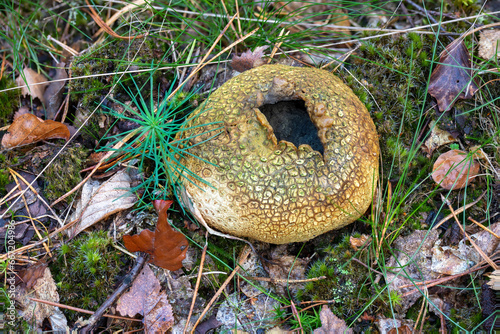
[166,246]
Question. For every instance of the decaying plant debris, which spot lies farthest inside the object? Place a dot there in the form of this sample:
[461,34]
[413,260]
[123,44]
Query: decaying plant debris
[94,102]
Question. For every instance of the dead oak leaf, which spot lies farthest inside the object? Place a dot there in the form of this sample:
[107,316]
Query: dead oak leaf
[452,79]
[248,59]
[28,129]
[166,246]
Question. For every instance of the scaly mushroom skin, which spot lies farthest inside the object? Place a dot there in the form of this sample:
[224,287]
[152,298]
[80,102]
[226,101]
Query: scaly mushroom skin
[273,191]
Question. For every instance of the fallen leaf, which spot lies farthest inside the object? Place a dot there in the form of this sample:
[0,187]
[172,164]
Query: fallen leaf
[452,80]
[447,260]
[437,139]
[248,59]
[54,93]
[331,323]
[22,233]
[146,299]
[454,170]
[43,287]
[28,129]
[99,201]
[357,243]
[489,43]
[166,246]
[35,82]
[411,262]
[391,325]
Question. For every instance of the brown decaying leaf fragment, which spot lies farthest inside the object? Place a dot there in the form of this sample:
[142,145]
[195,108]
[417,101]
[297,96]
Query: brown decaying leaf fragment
[451,79]
[167,247]
[248,59]
[489,44]
[35,82]
[453,170]
[28,129]
[331,323]
[146,298]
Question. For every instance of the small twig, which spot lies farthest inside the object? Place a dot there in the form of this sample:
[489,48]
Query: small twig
[81,310]
[15,175]
[243,257]
[458,211]
[483,227]
[367,267]
[422,312]
[296,315]
[198,280]
[277,45]
[127,281]
[478,249]
[283,280]
[437,281]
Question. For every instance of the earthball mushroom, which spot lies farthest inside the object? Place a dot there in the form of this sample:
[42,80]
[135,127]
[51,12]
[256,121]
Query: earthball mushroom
[283,154]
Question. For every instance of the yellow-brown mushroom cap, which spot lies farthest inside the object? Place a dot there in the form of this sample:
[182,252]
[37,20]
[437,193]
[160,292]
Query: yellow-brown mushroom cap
[273,191]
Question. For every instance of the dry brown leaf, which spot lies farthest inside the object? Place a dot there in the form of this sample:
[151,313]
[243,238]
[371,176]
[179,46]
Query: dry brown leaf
[167,247]
[99,201]
[145,298]
[451,79]
[28,129]
[248,59]
[489,43]
[454,170]
[331,323]
[35,81]
[437,139]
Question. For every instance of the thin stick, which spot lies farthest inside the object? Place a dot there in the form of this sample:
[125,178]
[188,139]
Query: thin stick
[284,280]
[198,280]
[483,227]
[479,250]
[458,211]
[243,257]
[296,315]
[127,281]
[81,310]
[15,175]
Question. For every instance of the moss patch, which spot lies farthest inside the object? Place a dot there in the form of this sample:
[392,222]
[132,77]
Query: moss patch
[86,271]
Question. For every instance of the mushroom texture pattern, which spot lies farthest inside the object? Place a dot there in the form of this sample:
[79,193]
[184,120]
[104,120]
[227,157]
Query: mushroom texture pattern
[273,190]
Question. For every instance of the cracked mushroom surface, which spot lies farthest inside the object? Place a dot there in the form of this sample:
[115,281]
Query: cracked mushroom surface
[266,181]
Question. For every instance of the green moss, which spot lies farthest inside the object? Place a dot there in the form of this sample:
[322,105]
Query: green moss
[344,283]
[9,100]
[86,270]
[395,71]
[64,172]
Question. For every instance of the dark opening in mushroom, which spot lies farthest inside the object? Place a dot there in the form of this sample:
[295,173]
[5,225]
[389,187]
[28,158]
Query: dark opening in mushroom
[291,122]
